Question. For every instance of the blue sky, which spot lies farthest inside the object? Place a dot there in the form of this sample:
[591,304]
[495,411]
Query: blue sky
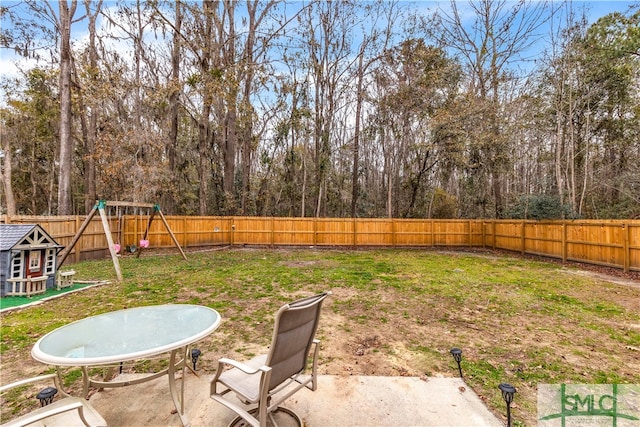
[595,10]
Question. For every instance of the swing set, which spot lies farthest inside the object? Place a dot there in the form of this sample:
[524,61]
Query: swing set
[114,247]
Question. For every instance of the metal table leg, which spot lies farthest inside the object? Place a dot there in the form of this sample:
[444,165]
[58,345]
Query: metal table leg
[178,398]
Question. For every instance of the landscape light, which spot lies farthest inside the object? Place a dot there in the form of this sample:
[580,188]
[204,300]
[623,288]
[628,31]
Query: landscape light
[195,353]
[507,394]
[46,395]
[457,356]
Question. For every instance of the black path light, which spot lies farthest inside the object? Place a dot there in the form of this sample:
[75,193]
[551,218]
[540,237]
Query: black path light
[195,353]
[457,356]
[46,395]
[507,394]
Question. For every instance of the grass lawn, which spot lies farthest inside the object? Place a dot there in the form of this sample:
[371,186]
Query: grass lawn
[392,312]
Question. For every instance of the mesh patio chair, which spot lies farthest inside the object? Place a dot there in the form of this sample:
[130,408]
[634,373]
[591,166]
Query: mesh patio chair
[65,412]
[269,379]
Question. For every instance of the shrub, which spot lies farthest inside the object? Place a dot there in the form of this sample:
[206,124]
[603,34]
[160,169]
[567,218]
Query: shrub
[539,206]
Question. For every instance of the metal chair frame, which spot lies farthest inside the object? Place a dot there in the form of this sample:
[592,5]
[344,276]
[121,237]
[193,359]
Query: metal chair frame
[269,379]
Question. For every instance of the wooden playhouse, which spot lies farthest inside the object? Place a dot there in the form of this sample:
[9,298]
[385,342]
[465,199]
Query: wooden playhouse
[27,259]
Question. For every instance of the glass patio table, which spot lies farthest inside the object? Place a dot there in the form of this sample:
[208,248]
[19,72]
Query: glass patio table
[126,335]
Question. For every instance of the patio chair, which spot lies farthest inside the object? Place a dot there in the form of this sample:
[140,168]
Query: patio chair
[269,379]
[68,411]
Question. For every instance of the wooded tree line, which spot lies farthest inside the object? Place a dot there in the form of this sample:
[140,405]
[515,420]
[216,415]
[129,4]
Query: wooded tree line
[322,108]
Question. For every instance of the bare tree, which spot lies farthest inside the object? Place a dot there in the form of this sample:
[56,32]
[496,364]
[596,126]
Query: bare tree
[6,172]
[89,115]
[174,98]
[65,202]
[416,82]
[375,42]
[501,31]
[328,33]
[255,47]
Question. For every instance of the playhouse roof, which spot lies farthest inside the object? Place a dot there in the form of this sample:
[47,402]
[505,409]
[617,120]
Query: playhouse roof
[14,234]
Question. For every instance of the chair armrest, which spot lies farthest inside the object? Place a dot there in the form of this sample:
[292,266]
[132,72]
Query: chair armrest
[89,417]
[45,412]
[242,366]
[27,381]
[67,411]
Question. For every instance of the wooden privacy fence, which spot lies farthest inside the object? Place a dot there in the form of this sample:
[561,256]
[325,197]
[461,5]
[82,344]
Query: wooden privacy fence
[614,243]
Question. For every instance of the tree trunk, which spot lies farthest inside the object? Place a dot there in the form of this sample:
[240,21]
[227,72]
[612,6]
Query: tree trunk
[91,132]
[230,155]
[228,52]
[356,135]
[558,155]
[65,206]
[174,106]
[304,185]
[6,176]
[246,110]
[207,99]
[586,165]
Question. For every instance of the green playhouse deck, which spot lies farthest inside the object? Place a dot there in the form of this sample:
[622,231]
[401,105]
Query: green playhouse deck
[12,302]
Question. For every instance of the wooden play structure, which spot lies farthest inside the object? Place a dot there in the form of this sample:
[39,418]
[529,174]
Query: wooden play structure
[65,279]
[101,207]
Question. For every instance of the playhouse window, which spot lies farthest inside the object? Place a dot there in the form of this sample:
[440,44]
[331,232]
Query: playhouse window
[34,260]
[16,265]
[50,262]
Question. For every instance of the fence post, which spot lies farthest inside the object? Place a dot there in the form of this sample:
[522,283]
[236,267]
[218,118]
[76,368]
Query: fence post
[484,234]
[495,235]
[433,233]
[355,232]
[185,235]
[135,228]
[564,241]
[393,232]
[315,231]
[123,230]
[522,238]
[233,228]
[626,231]
[77,250]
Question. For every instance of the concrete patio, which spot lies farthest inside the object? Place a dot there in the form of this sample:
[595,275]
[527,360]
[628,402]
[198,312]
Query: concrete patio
[339,401]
